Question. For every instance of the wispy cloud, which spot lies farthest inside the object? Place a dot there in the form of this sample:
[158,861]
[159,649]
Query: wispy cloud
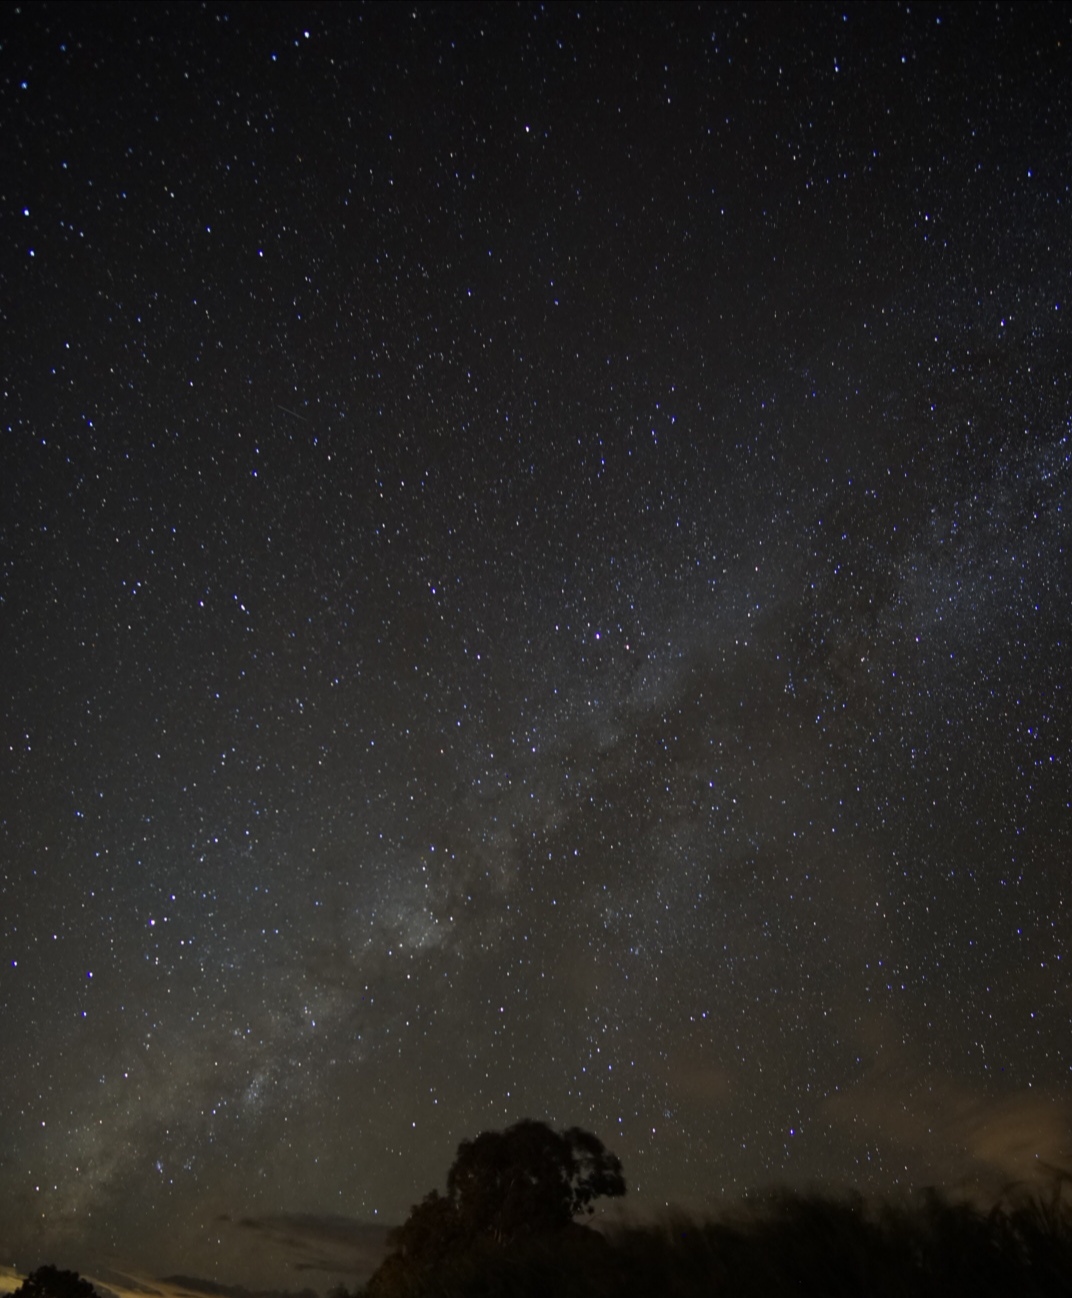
[960,1133]
[312,1242]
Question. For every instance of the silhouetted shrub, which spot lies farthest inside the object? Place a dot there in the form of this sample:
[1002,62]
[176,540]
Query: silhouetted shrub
[51,1282]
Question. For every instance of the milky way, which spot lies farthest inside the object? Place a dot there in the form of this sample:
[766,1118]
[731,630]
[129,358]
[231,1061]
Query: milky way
[534,560]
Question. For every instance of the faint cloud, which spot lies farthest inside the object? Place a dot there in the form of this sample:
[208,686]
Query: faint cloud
[1021,1135]
[944,1130]
[313,1242]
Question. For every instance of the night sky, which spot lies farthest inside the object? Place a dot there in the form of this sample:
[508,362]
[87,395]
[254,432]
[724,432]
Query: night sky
[535,580]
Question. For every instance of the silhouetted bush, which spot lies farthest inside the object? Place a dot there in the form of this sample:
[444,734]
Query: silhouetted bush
[51,1282]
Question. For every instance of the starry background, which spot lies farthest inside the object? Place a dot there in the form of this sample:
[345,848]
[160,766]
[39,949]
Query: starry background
[534,581]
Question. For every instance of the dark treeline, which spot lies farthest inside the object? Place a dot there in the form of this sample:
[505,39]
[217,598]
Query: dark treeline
[791,1244]
[507,1226]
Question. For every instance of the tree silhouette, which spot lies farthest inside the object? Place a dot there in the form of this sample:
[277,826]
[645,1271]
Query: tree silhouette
[432,1231]
[51,1282]
[503,1187]
[530,1179]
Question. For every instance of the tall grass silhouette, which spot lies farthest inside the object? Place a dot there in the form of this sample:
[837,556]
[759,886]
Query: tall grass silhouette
[783,1243]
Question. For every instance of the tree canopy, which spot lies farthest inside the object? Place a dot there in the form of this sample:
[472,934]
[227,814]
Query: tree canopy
[51,1282]
[504,1186]
[529,1179]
